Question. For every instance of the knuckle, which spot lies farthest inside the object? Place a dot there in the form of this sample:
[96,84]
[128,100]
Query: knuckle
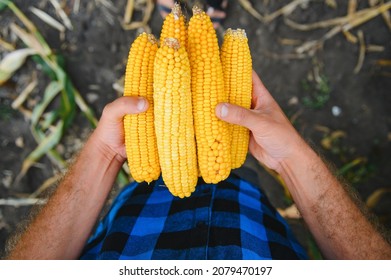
[241,115]
[107,109]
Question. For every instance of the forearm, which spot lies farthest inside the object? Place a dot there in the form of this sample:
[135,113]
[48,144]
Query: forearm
[336,222]
[62,227]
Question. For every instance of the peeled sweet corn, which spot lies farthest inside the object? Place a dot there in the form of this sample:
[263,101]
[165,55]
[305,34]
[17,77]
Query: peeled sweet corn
[174,26]
[174,118]
[212,134]
[237,69]
[140,139]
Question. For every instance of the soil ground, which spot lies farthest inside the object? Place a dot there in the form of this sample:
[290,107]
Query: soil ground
[320,93]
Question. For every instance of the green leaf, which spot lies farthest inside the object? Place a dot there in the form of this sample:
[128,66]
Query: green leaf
[50,93]
[86,110]
[44,147]
[44,67]
[4,4]
[68,104]
[48,119]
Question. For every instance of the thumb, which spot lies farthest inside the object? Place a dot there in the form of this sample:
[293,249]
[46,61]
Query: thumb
[124,105]
[236,115]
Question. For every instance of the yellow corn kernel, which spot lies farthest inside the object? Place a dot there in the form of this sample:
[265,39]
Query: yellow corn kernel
[140,138]
[174,118]
[237,69]
[174,26]
[207,85]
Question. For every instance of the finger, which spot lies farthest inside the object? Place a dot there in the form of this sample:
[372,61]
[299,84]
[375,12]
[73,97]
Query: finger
[125,105]
[260,93]
[236,115]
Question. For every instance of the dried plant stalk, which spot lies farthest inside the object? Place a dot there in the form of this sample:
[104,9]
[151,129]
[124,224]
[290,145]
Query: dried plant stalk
[361,55]
[48,19]
[60,12]
[247,6]
[144,22]
[352,7]
[353,21]
[129,11]
[25,93]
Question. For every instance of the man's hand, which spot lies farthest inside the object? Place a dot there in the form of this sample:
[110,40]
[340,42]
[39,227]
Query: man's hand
[62,227]
[273,138]
[339,227]
[109,135]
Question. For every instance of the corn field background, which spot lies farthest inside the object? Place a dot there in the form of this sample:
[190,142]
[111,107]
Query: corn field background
[326,62]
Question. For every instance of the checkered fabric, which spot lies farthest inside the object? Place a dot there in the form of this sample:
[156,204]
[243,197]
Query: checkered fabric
[230,220]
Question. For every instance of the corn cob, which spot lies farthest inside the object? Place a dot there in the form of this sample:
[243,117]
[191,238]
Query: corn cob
[207,85]
[140,139]
[237,69]
[174,118]
[174,26]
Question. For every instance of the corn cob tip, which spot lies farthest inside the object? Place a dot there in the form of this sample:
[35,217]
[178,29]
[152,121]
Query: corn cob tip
[172,43]
[197,10]
[237,33]
[152,39]
[176,11]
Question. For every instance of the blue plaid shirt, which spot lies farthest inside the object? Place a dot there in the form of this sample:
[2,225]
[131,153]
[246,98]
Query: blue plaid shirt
[230,220]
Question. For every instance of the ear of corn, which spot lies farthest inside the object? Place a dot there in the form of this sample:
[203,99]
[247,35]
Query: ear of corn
[237,69]
[174,118]
[174,26]
[140,139]
[212,134]
[180,135]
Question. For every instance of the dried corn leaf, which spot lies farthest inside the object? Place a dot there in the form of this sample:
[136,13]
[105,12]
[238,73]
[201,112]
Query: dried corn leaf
[286,10]
[375,48]
[384,62]
[149,6]
[352,7]
[387,18]
[350,37]
[386,15]
[60,12]
[12,62]
[290,213]
[373,2]
[315,25]
[331,3]
[48,19]
[247,6]
[85,109]
[30,40]
[48,183]
[375,197]
[25,93]
[129,11]
[327,142]
[357,19]
[361,55]
[6,46]
[18,202]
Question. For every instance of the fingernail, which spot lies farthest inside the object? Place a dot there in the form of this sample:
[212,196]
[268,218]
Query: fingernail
[141,104]
[224,111]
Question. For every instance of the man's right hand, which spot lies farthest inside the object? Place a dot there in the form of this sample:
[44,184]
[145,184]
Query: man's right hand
[273,138]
